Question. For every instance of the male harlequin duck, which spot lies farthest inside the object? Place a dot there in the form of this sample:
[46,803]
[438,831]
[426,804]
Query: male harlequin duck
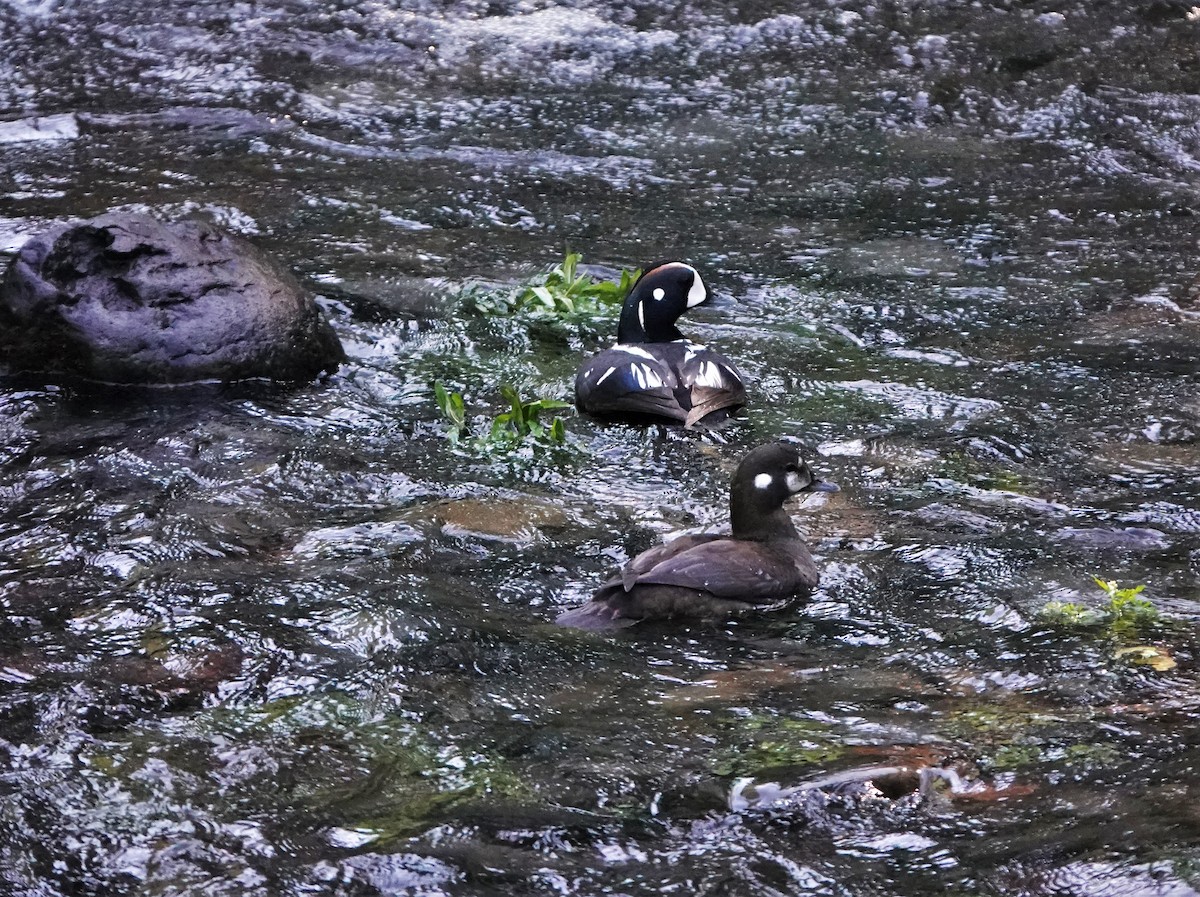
[763,562]
[653,373]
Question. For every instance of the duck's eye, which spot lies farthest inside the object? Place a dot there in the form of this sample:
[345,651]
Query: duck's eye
[792,468]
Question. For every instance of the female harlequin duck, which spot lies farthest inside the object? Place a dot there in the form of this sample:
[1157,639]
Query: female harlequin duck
[763,562]
[653,373]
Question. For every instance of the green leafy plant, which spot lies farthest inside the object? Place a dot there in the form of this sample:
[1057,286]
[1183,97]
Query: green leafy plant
[1070,615]
[453,409]
[1124,617]
[524,420]
[563,291]
[1123,614]
[1127,613]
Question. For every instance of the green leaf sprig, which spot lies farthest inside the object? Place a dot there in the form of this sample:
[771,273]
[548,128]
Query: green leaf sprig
[1125,617]
[563,291]
[523,421]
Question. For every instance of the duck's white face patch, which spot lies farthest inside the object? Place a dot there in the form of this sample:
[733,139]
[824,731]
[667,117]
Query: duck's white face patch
[763,481]
[793,481]
[698,293]
[659,293]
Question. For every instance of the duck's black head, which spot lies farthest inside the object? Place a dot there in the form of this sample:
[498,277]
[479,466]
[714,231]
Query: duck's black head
[767,477]
[657,300]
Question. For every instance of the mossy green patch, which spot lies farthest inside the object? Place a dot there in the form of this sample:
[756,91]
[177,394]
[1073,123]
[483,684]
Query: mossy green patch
[769,742]
[411,788]
[1014,756]
[1093,755]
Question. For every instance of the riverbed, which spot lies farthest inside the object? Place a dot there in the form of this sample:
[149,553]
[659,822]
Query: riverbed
[269,640]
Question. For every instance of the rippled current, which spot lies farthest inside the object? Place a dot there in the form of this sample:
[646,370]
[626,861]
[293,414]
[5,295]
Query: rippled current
[268,641]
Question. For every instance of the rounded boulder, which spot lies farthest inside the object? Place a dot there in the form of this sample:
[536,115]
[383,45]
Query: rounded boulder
[125,298]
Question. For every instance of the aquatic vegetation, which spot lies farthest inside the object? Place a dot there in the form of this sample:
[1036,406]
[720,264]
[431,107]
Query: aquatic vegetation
[1079,757]
[523,421]
[1002,723]
[562,292]
[409,787]
[1128,613]
[1015,756]
[1124,617]
[453,409]
[1006,736]
[1093,755]
[551,312]
[1016,735]
[378,774]
[1123,614]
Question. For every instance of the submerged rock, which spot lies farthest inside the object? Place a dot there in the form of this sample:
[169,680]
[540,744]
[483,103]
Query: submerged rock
[500,520]
[1130,538]
[124,298]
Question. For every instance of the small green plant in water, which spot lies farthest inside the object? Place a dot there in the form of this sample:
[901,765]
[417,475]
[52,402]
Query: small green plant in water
[1123,614]
[453,409]
[1069,614]
[525,420]
[1124,617]
[1127,613]
[561,292]
[521,422]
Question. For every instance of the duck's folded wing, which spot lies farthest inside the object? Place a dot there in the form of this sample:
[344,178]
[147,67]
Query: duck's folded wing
[705,401]
[738,571]
[649,402]
[650,558]
[713,381]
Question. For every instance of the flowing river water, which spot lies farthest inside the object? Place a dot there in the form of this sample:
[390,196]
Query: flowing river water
[270,641]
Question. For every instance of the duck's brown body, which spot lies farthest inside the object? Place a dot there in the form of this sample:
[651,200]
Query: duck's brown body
[762,563]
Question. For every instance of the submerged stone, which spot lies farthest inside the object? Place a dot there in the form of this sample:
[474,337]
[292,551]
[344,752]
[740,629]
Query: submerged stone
[1131,538]
[124,298]
[497,519]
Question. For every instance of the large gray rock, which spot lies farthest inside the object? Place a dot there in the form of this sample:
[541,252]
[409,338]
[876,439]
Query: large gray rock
[124,298]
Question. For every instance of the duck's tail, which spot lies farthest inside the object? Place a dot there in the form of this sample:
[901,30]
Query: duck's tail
[595,616]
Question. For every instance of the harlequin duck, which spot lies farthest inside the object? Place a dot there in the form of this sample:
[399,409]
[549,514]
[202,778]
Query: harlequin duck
[653,372]
[763,562]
